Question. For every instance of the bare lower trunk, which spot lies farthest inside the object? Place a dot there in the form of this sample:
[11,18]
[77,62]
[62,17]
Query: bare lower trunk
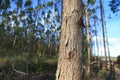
[70,53]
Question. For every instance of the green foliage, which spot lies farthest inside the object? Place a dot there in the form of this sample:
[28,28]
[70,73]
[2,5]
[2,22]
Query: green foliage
[56,9]
[19,3]
[49,4]
[101,73]
[92,2]
[43,12]
[57,18]
[5,3]
[28,2]
[42,6]
[42,66]
[114,4]
[30,9]
[2,74]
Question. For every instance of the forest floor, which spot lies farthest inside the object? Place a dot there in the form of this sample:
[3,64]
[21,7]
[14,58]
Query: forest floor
[51,76]
[112,73]
[48,69]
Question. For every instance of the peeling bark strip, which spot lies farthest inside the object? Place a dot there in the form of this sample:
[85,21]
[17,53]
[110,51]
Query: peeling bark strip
[70,52]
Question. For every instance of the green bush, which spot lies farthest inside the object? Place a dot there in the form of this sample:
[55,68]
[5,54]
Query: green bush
[100,73]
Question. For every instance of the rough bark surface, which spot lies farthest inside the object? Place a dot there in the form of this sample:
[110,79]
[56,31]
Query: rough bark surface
[70,53]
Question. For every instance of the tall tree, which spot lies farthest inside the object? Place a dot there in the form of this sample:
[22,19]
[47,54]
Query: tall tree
[103,31]
[70,65]
[88,36]
[96,35]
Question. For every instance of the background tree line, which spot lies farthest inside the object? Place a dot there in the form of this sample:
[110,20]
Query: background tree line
[29,34]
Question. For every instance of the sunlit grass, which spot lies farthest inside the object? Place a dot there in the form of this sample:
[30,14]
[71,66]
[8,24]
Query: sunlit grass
[4,59]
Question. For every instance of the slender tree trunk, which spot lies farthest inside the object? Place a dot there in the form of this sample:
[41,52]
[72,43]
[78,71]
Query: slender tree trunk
[103,30]
[110,62]
[88,37]
[70,65]
[107,43]
[98,61]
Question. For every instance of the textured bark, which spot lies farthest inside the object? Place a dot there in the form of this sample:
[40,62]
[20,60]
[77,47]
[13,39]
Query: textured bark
[70,53]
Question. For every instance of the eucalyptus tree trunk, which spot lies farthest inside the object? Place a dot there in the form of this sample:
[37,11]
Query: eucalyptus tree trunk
[105,37]
[98,59]
[70,65]
[97,45]
[103,31]
[88,37]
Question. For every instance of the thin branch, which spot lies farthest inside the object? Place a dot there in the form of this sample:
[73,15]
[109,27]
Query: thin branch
[17,71]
